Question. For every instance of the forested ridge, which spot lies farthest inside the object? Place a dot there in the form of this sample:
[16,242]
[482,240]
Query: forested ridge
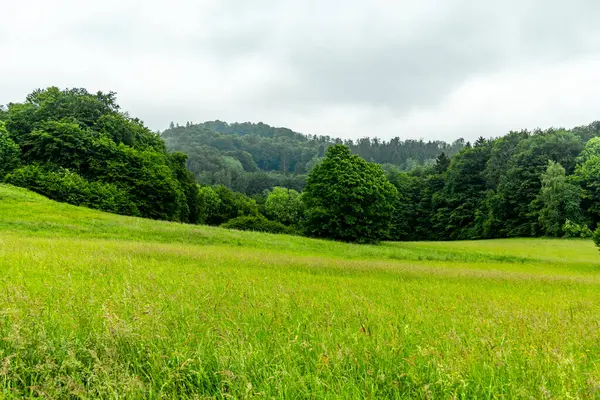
[79,147]
[252,158]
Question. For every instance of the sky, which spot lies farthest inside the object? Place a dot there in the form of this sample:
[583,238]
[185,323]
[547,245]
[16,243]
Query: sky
[430,69]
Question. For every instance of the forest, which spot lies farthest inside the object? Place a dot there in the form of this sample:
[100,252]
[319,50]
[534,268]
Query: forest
[251,158]
[81,148]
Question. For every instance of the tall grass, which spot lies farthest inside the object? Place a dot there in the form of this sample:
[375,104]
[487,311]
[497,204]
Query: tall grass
[94,305]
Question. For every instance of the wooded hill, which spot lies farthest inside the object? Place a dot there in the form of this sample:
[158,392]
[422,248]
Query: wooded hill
[252,158]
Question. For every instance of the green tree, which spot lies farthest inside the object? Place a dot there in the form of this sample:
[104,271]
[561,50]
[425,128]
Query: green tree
[404,219]
[587,175]
[348,198]
[88,135]
[464,189]
[9,153]
[285,206]
[559,201]
[208,204]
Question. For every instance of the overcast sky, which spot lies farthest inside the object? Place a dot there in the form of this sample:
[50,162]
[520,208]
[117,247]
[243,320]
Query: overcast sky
[432,69]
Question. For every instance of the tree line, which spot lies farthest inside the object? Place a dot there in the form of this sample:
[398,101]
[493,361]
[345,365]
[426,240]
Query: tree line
[79,147]
[251,158]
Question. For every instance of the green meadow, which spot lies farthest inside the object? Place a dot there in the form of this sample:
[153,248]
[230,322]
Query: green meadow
[95,305]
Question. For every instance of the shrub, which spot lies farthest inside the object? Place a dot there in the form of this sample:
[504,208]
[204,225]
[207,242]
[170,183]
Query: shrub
[596,236]
[574,230]
[258,224]
[66,186]
[231,205]
[285,206]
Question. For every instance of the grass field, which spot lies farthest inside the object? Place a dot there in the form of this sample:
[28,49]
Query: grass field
[94,305]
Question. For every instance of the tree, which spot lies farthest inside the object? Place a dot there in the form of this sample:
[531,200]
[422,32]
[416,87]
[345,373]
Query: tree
[405,214]
[442,162]
[208,204]
[87,135]
[587,175]
[559,201]
[285,206]
[348,198]
[464,189]
[9,153]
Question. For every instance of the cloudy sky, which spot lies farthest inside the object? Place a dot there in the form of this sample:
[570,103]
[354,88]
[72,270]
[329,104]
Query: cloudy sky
[432,69]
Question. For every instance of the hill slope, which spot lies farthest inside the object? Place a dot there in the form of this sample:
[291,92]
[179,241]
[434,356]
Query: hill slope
[99,305]
[250,158]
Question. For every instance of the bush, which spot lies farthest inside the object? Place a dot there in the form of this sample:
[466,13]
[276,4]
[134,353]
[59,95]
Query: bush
[66,186]
[574,230]
[285,206]
[257,224]
[230,205]
[596,236]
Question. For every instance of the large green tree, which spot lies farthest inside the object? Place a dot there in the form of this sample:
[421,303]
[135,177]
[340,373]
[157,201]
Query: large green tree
[348,198]
[464,189]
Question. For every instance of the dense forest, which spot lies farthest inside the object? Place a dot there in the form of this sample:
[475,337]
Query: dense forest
[79,147]
[541,183]
[251,158]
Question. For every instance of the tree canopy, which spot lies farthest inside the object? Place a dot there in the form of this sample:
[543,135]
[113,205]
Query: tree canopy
[348,198]
[87,135]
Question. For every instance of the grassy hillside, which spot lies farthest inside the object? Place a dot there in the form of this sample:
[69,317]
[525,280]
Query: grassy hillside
[98,305]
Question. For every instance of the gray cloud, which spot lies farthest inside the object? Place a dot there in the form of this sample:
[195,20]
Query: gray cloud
[435,69]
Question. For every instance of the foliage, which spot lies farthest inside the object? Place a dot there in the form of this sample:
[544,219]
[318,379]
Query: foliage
[405,216]
[493,188]
[67,186]
[209,202]
[88,135]
[463,193]
[257,223]
[596,236]
[282,156]
[573,230]
[587,175]
[520,185]
[285,206]
[230,205]
[9,153]
[559,201]
[348,199]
